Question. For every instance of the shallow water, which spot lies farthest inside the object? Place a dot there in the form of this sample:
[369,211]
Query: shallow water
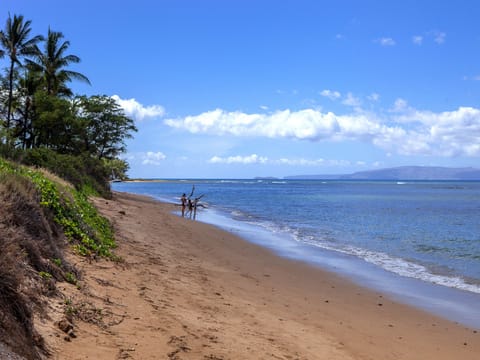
[403,237]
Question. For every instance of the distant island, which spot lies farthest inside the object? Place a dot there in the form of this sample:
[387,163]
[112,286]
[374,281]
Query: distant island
[402,173]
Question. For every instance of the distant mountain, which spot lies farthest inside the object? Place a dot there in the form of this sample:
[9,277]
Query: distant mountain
[404,173]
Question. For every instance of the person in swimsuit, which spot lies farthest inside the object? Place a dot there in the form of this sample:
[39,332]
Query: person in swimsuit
[183,199]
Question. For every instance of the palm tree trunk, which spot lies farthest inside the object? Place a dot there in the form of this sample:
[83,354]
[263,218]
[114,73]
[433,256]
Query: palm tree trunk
[10,101]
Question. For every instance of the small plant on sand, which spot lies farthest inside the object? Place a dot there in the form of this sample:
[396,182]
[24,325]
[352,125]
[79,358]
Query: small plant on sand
[71,278]
[70,311]
[45,275]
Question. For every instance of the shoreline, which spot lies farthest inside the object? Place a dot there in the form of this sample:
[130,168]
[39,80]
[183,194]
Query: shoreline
[411,279]
[451,303]
[190,290]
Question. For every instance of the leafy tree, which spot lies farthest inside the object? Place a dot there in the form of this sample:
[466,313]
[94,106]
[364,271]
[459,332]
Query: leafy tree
[104,126]
[79,138]
[17,44]
[116,168]
[54,123]
[52,64]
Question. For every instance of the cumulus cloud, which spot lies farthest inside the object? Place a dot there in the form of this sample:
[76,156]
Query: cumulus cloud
[153,158]
[250,159]
[400,105]
[449,133]
[417,39]
[137,111]
[434,35]
[402,130]
[256,159]
[300,162]
[439,37]
[332,95]
[311,162]
[305,124]
[385,41]
[351,100]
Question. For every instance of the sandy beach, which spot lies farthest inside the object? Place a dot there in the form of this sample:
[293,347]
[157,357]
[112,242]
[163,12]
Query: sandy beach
[187,290]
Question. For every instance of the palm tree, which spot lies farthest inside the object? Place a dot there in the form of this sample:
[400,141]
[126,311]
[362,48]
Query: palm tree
[17,44]
[28,85]
[51,63]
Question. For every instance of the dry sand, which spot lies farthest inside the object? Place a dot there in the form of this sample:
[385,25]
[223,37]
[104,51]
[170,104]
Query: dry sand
[187,290]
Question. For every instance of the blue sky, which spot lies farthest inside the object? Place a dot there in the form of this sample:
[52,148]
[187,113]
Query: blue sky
[243,88]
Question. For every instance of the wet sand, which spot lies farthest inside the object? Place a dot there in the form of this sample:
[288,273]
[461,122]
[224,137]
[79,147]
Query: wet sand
[188,290]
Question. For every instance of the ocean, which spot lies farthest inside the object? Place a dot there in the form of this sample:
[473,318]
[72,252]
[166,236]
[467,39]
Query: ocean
[419,241]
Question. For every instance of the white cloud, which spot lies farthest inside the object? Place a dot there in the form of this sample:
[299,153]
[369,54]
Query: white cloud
[400,105]
[153,158]
[439,37]
[373,97]
[403,130]
[385,41]
[305,124]
[449,133]
[300,162]
[471,78]
[250,159]
[351,100]
[256,159]
[332,95]
[137,111]
[417,39]
[310,162]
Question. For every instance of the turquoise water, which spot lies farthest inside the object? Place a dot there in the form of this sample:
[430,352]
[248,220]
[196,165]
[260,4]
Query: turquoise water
[428,232]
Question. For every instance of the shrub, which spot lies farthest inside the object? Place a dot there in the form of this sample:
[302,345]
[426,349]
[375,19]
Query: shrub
[84,171]
[91,233]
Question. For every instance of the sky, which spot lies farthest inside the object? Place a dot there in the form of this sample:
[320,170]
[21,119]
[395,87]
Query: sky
[254,88]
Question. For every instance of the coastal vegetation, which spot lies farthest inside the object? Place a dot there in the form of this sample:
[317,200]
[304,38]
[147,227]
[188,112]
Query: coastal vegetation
[39,111]
[57,149]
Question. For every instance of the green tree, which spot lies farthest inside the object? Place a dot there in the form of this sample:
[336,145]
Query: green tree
[103,125]
[52,62]
[116,168]
[54,123]
[16,41]
[26,109]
